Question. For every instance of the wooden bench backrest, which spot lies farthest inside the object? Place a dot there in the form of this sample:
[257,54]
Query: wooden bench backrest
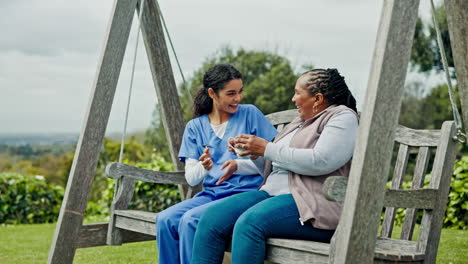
[432,201]
[280,119]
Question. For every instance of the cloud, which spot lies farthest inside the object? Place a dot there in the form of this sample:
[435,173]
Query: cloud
[53,27]
[50,49]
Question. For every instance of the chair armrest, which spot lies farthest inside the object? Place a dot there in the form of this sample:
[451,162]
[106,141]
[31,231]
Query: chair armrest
[117,170]
[334,188]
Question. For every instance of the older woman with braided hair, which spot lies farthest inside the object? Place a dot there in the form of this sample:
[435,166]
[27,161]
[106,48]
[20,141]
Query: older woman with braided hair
[290,203]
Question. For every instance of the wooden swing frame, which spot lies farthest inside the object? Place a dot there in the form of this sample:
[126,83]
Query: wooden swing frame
[355,240]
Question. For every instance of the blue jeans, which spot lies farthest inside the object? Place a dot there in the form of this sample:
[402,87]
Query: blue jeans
[175,229]
[251,217]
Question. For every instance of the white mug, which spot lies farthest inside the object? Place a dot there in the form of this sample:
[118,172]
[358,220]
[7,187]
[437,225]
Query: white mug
[238,151]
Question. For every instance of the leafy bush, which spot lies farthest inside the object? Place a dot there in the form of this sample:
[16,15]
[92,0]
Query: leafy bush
[457,209]
[456,214]
[27,200]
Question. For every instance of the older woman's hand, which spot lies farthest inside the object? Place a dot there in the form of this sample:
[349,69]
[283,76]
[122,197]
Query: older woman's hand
[253,145]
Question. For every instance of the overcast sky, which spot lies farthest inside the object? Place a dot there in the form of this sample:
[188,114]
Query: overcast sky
[49,51]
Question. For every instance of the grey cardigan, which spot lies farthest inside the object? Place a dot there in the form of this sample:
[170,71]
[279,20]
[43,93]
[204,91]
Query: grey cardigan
[307,190]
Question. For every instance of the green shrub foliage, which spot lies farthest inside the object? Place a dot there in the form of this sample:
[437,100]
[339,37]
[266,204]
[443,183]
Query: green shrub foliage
[456,214]
[27,200]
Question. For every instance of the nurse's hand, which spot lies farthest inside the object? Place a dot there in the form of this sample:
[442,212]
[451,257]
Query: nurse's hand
[206,160]
[231,167]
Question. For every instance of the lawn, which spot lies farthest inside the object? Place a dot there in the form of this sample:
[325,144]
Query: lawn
[30,244]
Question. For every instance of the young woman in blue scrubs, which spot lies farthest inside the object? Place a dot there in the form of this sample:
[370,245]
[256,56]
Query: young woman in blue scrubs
[218,116]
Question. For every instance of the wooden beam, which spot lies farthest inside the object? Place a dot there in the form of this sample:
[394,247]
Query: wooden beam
[166,89]
[457,19]
[163,77]
[93,235]
[90,142]
[355,239]
[116,170]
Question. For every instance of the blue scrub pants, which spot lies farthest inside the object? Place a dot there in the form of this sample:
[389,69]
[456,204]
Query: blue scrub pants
[175,229]
[251,217]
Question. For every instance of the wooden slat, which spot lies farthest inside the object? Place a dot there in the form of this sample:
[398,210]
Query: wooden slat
[280,127]
[137,224]
[116,170]
[282,117]
[421,198]
[281,255]
[309,246]
[142,215]
[301,251]
[418,180]
[457,15]
[417,138]
[356,238]
[431,223]
[66,234]
[93,235]
[399,173]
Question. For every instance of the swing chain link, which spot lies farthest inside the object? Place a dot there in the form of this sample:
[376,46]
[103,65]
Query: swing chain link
[460,136]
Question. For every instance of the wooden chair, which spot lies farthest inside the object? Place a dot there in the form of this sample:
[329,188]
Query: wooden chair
[432,201]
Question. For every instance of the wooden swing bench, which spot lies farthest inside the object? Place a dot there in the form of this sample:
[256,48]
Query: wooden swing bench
[432,201]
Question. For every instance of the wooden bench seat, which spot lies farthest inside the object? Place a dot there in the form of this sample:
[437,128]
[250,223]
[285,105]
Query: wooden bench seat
[431,201]
[283,250]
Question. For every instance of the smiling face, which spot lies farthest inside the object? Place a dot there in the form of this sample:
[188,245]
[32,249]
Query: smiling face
[226,102]
[303,100]
[308,105]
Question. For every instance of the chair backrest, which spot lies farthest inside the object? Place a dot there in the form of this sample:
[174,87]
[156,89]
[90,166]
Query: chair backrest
[421,145]
[280,119]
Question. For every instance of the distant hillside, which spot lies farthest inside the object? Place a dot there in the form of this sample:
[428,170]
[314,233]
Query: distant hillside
[39,139]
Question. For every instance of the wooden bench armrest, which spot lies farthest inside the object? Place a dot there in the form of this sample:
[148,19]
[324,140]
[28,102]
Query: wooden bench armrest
[334,188]
[117,170]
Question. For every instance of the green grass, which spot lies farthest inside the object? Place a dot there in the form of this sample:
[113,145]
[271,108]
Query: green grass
[30,244]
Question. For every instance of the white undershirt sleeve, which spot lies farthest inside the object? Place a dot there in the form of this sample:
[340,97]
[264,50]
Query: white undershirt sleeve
[247,167]
[194,171]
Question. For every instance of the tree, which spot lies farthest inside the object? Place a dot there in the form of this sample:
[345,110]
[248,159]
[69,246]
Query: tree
[425,55]
[268,79]
[268,83]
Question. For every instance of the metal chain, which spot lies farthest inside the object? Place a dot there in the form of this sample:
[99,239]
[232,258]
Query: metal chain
[124,133]
[460,136]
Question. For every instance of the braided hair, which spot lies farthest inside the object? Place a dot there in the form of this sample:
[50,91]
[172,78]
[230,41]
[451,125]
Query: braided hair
[215,78]
[332,85]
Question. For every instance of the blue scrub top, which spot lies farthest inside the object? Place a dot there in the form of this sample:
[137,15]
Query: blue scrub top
[247,120]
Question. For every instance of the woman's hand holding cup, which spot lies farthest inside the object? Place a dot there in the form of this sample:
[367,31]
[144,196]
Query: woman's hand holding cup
[248,146]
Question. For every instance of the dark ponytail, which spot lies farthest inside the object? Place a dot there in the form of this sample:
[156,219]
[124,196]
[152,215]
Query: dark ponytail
[215,78]
[332,85]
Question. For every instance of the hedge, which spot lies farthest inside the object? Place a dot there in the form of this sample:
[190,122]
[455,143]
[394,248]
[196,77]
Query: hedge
[27,199]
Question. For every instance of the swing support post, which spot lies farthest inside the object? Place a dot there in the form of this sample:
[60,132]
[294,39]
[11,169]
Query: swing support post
[355,238]
[67,231]
[457,17]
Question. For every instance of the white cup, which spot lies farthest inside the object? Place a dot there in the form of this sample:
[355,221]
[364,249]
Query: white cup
[238,151]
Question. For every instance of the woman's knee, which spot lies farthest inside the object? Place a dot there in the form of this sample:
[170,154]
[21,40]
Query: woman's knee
[249,221]
[165,220]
